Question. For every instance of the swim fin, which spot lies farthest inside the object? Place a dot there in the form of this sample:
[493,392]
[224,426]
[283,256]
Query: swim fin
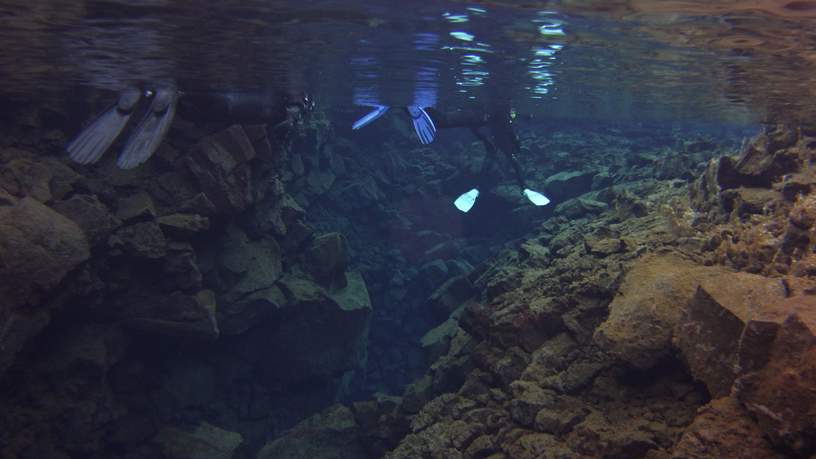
[371,117]
[423,125]
[535,197]
[151,131]
[466,200]
[90,144]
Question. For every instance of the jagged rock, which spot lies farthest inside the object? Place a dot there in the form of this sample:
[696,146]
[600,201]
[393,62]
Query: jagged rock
[256,265]
[318,181]
[137,207]
[782,394]
[140,240]
[206,441]
[176,314]
[320,333]
[182,226]
[239,316]
[331,434]
[723,428]
[91,215]
[737,315]
[604,246]
[220,165]
[326,260]
[434,273]
[181,268]
[38,248]
[450,296]
[579,207]
[745,201]
[24,177]
[436,342]
[649,305]
[568,184]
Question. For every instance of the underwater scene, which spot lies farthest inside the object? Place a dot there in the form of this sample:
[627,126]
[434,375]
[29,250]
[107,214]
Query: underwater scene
[364,229]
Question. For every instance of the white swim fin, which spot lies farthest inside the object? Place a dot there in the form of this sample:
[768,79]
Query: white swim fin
[371,117]
[466,200]
[535,197]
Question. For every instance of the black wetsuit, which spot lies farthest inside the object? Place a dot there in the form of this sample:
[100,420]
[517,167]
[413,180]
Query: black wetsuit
[502,137]
[277,111]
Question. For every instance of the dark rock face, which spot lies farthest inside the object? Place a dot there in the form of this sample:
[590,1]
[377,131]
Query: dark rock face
[192,329]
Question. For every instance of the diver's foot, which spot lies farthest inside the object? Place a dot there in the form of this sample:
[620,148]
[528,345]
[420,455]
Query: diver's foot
[90,144]
[150,132]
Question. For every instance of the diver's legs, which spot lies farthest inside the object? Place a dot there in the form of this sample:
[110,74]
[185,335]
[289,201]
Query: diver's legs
[151,130]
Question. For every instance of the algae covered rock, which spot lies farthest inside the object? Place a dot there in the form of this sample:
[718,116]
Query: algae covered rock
[331,434]
[649,305]
[205,441]
[38,248]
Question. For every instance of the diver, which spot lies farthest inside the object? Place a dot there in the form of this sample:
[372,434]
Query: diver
[501,137]
[282,113]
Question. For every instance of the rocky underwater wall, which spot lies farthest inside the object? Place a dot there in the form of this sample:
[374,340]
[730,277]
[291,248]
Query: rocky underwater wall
[206,303]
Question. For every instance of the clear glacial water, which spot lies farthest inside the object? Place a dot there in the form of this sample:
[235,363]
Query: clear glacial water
[724,60]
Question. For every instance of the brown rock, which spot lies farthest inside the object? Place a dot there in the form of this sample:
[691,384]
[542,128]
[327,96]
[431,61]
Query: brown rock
[183,225]
[137,207]
[38,248]
[326,260]
[649,304]
[729,314]
[140,240]
[782,395]
[91,215]
[24,177]
[723,429]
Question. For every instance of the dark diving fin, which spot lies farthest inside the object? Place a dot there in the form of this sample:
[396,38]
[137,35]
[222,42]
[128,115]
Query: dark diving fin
[423,125]
[90,144]
[151,130]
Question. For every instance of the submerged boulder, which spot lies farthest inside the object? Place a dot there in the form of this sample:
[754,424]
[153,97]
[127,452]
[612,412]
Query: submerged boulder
[330,434]
[38,248]
[782,394]
[318,334]
[649,305]
[206,441]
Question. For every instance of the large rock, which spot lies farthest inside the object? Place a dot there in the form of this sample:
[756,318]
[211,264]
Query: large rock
[38,248]
[318,334]
[729,326]
[140,240]
[206,441]
[220,165]
[24,177]
[256,265]
[91,215]
[649,304]
[568,184]
[326,260]
[177,314]
[723,428]
[331,434]
[782,395]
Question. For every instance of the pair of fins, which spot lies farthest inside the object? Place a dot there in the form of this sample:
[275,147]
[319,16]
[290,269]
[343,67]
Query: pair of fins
[423,124]
[91,144]
[466,200]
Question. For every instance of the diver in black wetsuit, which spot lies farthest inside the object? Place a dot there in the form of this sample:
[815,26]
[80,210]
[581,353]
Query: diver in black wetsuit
[502,137]
[158,108]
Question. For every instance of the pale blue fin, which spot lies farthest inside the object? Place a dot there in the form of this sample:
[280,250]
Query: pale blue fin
[90,144]
[466,200]
[371,117]
[535,197]
[423,125]
[151,131]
